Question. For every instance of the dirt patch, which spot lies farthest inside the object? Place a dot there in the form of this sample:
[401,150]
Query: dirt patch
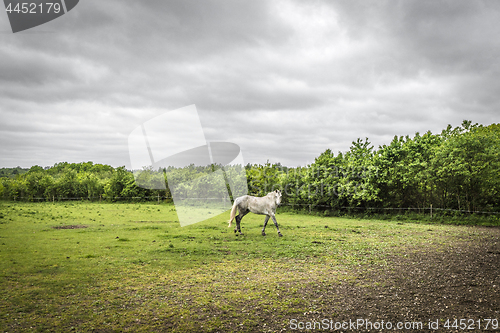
[460,281]
[74,226]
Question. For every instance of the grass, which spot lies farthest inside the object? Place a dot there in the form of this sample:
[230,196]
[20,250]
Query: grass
[132,268]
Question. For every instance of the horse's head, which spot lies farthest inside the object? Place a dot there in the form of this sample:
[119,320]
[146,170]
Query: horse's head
[277,195]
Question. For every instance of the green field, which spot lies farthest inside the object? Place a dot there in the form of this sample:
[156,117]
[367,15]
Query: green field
[131,267]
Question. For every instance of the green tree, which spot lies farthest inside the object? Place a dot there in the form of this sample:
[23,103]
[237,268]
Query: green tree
[33,187]
[67,185]
[358,179]
[121,184]
[263,179]
[47,183]
[18,188]
[91,184]
[467,168]
[405,174]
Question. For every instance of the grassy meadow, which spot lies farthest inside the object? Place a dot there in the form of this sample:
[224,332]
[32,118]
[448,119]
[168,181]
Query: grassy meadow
[130,267]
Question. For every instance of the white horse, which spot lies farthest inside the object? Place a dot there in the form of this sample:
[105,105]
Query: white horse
[257,205]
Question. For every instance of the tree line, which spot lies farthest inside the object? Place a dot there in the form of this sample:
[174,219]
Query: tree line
[456,169]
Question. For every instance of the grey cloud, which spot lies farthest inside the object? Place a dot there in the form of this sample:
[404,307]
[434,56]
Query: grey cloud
[282,80]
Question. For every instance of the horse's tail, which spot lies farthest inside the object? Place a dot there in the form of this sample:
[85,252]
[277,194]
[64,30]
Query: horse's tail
[233,214]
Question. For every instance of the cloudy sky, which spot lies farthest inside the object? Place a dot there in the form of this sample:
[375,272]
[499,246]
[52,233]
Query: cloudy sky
[285,80]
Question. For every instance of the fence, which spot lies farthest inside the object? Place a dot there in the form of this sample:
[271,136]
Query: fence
[100,198]
[431,210]
[402,209]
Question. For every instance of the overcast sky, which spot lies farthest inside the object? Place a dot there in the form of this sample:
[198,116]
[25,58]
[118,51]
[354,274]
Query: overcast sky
[285,80]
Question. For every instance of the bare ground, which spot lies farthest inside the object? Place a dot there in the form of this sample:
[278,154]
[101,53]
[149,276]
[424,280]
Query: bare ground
[460,281]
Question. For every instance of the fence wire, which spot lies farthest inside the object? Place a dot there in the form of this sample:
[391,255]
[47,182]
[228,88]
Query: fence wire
[310,206]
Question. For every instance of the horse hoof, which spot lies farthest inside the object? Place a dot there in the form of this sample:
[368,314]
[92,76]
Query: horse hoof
[235,230]
[280,235]
[263,234]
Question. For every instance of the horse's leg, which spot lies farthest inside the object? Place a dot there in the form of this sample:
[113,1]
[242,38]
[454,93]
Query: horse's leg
[238,220]
[237,228]
[265,223]
[276,224]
